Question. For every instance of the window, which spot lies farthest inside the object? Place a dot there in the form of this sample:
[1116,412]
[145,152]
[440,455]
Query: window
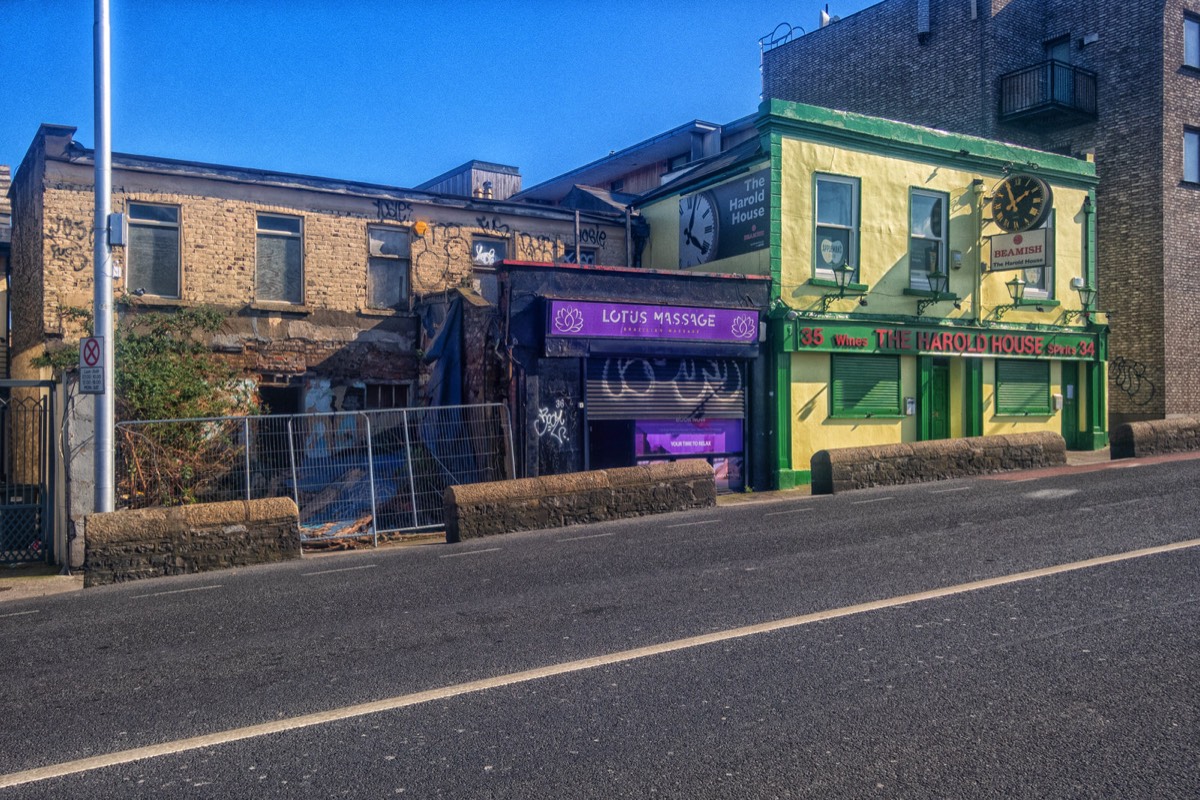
[1191,156]
[386,395]
[1039,281]
[279,272]
[926,236]
[487,251]
[587,256]
[387,268]
[1191,42]
[1022,387]
[153,250]
[836,225]
[864,386]
[678,162]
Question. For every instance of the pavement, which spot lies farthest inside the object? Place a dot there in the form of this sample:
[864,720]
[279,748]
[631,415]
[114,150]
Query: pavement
[24,581]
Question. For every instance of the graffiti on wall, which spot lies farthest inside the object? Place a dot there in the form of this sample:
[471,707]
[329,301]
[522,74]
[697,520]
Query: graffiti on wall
[393,211]
[536,247]
[71,241]
[1130,377]
[493,225]
[552,422]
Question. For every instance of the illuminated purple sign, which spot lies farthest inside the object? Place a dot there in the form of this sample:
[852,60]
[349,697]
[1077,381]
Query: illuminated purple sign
[580,318]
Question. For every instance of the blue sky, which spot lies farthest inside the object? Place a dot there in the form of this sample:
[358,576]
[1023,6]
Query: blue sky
[387,92]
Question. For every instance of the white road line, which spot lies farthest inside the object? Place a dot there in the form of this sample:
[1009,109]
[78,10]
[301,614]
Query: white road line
[178,591]
[581,538]
[689,524]
[955,489]
[876,500]
[623,656]
[789,511]
[20,613]
[340,569]
[471,553]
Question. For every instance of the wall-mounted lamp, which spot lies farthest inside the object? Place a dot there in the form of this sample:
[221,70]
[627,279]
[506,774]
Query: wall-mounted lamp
[844,276]
[938,283]
[1087,296]
[1016,291]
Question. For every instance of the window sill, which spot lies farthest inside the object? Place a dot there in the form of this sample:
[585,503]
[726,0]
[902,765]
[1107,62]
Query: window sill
[827,283]
[1044,301]
[280,308]
[947,296]
[1036,412]
[1189,69]
[384,312]
[867,416]
[153,301]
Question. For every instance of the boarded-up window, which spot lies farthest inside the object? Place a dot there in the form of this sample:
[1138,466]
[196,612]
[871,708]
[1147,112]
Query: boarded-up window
[864,386]
[1022,387]
[279,272]
[153,250]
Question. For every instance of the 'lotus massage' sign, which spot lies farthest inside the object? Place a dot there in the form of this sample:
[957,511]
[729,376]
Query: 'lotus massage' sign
[579,318]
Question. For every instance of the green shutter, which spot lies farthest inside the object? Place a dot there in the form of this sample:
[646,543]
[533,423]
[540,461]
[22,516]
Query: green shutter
[865,386]
[1022,387]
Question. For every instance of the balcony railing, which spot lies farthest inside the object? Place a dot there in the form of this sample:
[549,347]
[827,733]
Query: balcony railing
[1052,92]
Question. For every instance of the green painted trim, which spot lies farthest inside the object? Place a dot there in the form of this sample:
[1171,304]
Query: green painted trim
[924,398]
[1096,419]
[1089,240]
[1044,302]
[888,137]
[783,407]
[794,478]
[972,397]
[775,152]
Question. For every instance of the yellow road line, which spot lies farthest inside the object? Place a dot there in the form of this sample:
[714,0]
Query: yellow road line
[403,701]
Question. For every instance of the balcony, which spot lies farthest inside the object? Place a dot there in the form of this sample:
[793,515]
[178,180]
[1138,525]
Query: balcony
[1052,93]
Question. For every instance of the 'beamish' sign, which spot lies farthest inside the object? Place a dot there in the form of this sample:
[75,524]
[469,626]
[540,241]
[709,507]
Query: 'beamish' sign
[1026,250]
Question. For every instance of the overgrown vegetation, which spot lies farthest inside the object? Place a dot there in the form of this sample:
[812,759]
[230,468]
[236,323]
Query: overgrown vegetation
[164,367]
[165,370]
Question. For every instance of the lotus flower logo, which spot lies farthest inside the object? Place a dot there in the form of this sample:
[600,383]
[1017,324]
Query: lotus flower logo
[568,320]
[744,327]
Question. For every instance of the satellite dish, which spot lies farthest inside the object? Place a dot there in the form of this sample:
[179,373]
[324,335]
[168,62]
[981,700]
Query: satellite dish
[825,15]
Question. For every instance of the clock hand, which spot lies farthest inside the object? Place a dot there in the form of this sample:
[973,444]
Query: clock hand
[1012,203]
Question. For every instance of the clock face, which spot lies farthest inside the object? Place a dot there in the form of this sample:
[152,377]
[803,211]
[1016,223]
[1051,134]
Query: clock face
[697,229]
[1020,202]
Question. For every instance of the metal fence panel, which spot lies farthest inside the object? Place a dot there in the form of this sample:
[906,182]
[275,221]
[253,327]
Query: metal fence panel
[25,450]
[351,474]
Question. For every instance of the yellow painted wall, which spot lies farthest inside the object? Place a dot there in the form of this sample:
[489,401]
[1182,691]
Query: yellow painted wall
[884,185]
[662,252]
[813,429]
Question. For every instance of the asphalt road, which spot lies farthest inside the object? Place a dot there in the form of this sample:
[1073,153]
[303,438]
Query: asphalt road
[941,640]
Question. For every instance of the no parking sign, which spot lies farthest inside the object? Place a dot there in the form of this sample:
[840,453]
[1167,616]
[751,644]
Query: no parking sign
[91,365]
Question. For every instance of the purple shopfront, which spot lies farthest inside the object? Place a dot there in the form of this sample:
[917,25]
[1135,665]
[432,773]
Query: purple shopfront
[658,382]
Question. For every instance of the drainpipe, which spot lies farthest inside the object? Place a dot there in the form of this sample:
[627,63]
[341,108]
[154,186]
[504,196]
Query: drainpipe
[628,236]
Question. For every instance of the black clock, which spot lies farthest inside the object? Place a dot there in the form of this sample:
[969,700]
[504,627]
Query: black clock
[1020,202]
[697,229]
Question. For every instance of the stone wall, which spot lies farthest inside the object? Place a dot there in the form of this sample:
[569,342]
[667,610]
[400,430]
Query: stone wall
[848,468]
[152,542]
[553,501]
[1154,437]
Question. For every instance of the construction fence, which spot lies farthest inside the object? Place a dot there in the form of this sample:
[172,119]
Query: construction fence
[352,474]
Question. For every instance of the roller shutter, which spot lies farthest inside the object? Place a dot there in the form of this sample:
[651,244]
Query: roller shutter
[666,388]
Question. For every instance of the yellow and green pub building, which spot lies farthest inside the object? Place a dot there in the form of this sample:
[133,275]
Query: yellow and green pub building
[925,285]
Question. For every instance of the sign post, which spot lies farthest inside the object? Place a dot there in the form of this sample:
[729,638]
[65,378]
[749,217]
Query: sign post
[91,365]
